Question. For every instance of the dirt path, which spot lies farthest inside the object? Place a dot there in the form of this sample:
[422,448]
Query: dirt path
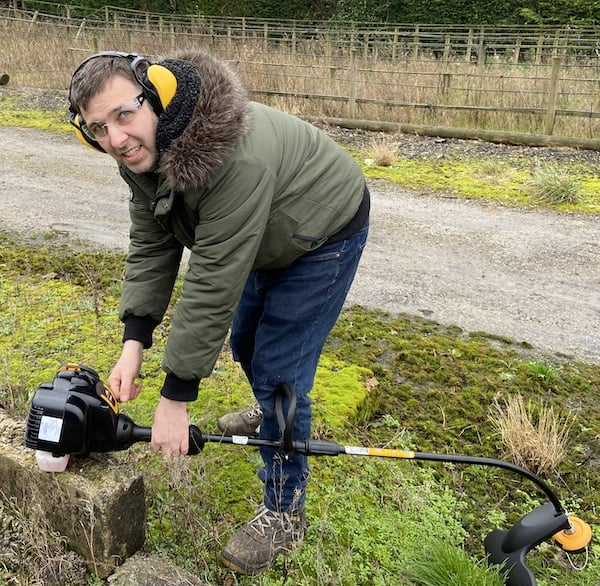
[532,276]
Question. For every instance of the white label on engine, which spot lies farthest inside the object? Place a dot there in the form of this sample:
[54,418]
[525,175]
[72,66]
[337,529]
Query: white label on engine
[50,428]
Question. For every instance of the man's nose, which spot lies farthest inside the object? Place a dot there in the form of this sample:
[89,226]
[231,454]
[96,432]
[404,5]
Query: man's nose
[116,135]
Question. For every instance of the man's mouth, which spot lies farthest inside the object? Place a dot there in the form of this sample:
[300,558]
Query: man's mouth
[131,153]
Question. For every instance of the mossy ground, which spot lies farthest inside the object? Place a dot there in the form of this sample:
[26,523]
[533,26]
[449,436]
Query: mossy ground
[486,179]
[393,381]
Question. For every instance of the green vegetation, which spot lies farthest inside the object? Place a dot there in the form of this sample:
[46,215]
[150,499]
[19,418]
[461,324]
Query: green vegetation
[18,112]
[565,187]
[555,187]
[391,381]
[412,11]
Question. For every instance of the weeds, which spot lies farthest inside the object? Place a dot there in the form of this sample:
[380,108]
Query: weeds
[554,186]
[382,152]
[442,565]
[32,553]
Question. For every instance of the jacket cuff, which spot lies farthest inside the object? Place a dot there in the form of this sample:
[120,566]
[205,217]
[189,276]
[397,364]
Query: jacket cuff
[139,328]
[177,389]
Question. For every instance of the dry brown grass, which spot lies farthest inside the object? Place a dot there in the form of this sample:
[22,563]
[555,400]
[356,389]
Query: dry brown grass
[316,79]
[36,554]
[382,152]
[535,436]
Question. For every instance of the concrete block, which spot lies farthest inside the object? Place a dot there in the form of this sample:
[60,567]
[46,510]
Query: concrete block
[152,570]
[97,504]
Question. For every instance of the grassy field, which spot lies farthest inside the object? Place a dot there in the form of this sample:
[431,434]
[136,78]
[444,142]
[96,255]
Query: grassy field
[390,381]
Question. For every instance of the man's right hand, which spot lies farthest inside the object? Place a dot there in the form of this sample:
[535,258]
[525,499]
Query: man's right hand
[122,379]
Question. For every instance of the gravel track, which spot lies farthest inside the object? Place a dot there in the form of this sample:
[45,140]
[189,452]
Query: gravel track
[532,276]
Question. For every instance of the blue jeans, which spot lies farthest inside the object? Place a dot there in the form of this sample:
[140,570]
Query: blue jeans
[277,335]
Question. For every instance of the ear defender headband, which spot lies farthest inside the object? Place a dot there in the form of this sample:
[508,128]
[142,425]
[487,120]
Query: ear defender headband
[158,83]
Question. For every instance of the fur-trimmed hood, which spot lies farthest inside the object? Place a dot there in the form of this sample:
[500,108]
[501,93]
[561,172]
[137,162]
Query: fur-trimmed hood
[218,121]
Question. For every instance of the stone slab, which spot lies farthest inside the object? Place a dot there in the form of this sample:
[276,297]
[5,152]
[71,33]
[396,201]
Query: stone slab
[97,503]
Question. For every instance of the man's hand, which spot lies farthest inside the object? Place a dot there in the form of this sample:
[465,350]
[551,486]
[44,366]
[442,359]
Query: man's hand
[170,431]
[122,378]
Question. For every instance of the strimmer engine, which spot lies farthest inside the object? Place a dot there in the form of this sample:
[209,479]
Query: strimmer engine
[74,415]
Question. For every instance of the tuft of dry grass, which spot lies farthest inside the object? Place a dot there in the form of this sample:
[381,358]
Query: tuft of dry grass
[36,553]
[382,152]
[535,437]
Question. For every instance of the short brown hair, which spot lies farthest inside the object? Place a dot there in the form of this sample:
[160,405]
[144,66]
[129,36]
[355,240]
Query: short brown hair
[91,77]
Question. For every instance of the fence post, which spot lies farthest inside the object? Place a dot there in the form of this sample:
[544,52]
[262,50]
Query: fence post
[517,52]
[481,50]
[469,48]
[395,46]
[444,85]
[416,43]
[552,94]
[352,93]
[33,21]
[447,48]
[539,49]
[265,37]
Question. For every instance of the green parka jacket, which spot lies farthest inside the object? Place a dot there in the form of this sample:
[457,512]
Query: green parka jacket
[243,187]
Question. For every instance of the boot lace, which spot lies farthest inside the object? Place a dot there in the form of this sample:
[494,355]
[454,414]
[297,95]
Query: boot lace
[268,522]
[255,412]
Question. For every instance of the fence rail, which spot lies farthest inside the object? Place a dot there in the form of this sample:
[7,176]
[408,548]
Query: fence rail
[532,80]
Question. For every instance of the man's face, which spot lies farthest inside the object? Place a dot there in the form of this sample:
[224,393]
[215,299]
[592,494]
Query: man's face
[124,124]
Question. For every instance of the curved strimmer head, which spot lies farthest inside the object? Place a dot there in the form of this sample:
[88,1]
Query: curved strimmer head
[508,548]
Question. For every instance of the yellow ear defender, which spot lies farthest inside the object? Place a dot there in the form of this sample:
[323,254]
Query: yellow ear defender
[164,83]
[158,83]
[88,142]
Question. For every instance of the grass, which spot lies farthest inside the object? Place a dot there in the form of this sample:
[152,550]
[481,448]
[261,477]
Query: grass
[555,186]
[566,187]
[406,382]
[536,441]
[442,565]
[391,78]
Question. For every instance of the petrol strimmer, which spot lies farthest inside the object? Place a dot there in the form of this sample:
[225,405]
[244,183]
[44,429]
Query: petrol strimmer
[77,414]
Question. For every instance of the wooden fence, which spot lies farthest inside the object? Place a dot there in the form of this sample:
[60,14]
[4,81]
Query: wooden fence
[499,83]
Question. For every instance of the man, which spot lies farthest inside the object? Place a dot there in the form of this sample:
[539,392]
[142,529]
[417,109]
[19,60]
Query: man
[275,216]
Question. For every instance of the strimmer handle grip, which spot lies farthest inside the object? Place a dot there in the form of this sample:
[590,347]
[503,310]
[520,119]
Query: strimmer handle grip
[137,433]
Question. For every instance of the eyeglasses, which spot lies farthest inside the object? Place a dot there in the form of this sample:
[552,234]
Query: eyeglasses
[123,116]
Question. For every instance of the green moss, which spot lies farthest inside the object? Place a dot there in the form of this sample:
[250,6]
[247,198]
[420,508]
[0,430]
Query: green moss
[485,179]
[340,395]
[13,113]
[434,387]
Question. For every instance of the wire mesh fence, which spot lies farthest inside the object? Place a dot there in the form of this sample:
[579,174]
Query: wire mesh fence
[534,80]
